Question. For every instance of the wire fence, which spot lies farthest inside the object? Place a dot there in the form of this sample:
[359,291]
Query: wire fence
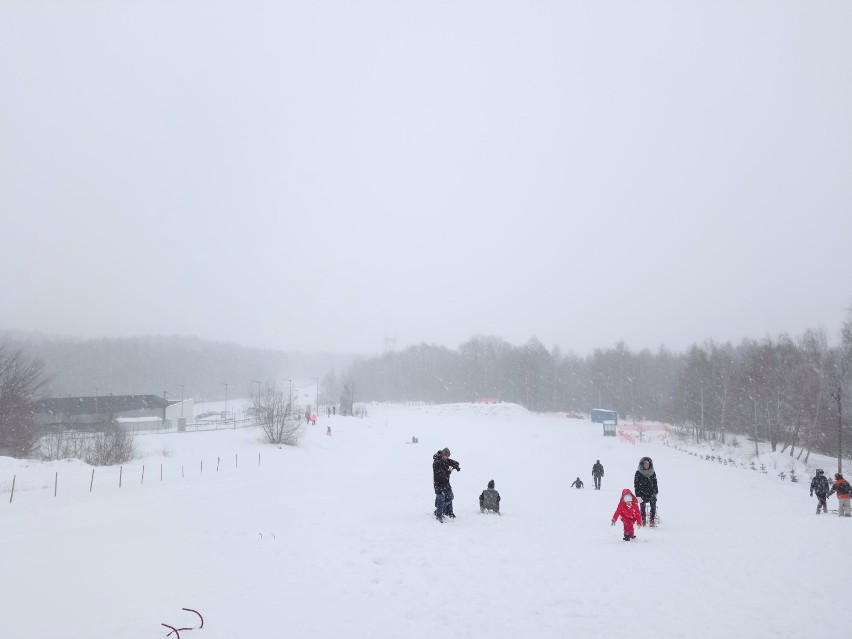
[76,480]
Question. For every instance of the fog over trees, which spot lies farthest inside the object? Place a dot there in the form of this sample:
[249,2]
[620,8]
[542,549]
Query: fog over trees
[153,364]
[781,390]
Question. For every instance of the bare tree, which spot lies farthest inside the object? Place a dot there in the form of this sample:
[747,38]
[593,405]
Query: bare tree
[111,445]
[810,391]
[22,382]
[62,443]
[277,415]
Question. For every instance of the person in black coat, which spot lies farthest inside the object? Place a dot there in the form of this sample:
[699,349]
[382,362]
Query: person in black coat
[578,483]
[442,466]
[597,473]
[820,486]
[645,486]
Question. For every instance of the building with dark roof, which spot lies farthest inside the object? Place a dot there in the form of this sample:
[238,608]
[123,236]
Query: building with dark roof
[87,413]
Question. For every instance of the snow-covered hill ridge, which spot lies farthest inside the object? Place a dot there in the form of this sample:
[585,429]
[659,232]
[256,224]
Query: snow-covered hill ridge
[336,538]
[470,409]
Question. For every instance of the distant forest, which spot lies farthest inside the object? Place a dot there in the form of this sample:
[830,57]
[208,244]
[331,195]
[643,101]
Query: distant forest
[782,391]
[152,365]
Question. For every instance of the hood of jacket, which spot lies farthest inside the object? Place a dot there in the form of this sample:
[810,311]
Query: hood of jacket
[650,470]
[627,491]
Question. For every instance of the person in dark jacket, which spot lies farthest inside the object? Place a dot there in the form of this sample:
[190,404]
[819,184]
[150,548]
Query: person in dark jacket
[577,483]
[843,490]
[645,487]
[489,499]
[442,466]
[819,485]
[597,473]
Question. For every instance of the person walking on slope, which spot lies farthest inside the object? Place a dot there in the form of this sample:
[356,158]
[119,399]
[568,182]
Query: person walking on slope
[489,499]
[442,466]
[645,486]
[819,485]
[578,483]
[843,489]
[628,510]
[597,473]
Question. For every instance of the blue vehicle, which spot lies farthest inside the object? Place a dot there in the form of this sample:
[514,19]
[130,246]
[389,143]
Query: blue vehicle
[601,415]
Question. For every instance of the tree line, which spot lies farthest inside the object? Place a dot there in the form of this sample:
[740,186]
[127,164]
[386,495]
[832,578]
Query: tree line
[778,390]
[150,365]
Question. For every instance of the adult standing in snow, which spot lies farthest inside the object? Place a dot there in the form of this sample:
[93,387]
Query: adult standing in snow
[843,490]
[597,473]
[645,486]
[819,485]
[442,466]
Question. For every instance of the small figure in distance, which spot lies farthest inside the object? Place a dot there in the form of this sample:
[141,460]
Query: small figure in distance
[597,473]
[578,483]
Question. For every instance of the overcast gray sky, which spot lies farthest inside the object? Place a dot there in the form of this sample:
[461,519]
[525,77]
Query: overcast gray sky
[320,175]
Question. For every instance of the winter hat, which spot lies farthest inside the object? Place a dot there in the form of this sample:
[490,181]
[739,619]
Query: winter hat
[445,451]
[491,484]
[819,471]
[838,476]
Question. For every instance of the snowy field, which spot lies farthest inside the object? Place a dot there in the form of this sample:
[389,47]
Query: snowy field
[335,538]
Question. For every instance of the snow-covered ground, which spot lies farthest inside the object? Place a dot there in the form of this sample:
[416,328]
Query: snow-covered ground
[335,538]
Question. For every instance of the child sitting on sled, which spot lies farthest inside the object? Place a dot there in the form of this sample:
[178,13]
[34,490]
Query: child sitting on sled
[628,510]
[489,499]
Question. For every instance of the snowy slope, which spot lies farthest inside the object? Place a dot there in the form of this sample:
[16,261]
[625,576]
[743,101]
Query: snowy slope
[335,538]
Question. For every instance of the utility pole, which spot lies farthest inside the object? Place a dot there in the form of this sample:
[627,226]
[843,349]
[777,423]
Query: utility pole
[316,379]
[181,400]
[225,384]
[837,398]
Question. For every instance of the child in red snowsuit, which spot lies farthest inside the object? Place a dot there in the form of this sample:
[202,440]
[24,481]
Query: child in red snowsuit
[628,510]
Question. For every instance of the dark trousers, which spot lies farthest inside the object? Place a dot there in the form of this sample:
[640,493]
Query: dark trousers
[653,502]
[444,502]
[821,503]
[597,482]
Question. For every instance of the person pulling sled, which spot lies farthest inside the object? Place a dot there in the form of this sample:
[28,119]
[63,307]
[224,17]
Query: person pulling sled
[645,486]
[843,490]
